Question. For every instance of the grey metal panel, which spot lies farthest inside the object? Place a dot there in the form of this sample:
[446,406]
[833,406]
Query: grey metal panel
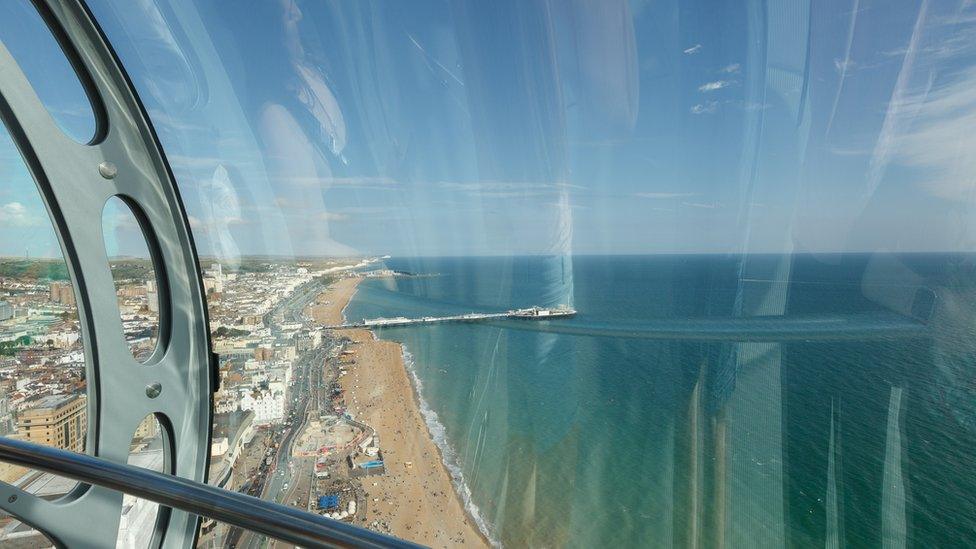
[75,192]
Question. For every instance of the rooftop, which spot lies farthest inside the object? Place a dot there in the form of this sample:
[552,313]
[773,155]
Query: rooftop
[51,401]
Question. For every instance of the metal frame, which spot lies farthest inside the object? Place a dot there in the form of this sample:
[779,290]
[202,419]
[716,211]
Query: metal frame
[123,160]
[272,519]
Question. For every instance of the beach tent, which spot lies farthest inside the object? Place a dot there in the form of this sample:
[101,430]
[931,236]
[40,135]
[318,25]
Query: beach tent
[330,501]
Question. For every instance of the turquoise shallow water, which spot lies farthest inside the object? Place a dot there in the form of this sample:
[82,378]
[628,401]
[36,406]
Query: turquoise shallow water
[574,440]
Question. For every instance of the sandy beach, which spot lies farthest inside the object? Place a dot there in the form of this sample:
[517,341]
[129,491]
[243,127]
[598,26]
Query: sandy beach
[415,497]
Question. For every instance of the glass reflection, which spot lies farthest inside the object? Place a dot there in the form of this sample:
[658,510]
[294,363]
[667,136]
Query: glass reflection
[761,212]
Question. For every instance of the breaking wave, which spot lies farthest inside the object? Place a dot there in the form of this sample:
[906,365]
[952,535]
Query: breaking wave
[450,458]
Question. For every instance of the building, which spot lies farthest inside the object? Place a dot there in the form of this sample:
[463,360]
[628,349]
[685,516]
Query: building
[225,402]
[303,342]
[216,271]
[268,406]
[6,414]
[55,420]
[263,353]
[148,428]
[61,292]
[139,515]
[213,279]
[6,311]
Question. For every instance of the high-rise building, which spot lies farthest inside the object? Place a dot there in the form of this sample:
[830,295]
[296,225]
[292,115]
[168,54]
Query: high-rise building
[263,353]
[61,292]
[148,428]
[55,420]
[6,415]
[6,311]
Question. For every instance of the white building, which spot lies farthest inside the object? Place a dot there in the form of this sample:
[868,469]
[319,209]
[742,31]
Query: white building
[139,515]
[6,310]
[268,405]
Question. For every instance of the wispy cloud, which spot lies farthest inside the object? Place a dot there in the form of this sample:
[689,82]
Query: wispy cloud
[900,110]
[732,68]
[508,189]
[693,50]
[381,183]
[941,138]
[665,195]
[849,151]
[708,107]
[17,215]
[712,86]
[843,65]
[332,216]
[752,106]
[705,205]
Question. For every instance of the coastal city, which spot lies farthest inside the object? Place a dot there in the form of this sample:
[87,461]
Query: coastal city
[306,414]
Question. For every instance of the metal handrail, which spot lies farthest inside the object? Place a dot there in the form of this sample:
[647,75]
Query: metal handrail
[278,521]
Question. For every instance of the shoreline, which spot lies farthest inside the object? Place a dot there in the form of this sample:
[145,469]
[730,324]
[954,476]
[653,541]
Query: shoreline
[417,498]
[481,525]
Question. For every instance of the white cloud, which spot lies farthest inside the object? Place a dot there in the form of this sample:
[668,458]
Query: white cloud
[941,138]
[733,68]
[708,206]
[708,107]
[693,50]
[16,214]
[712,86]
[332,216]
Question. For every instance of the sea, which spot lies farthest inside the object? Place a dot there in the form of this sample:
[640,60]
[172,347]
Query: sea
[699,400]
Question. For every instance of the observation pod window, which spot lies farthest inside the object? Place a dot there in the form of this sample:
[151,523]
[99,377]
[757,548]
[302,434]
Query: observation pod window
[124,235]
[25,34]
[44,396]
[139,518]
[134,274]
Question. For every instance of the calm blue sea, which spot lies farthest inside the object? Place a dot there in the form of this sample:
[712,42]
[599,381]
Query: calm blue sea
[599,431]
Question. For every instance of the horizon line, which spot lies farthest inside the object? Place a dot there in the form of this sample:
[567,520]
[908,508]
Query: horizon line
[491,255]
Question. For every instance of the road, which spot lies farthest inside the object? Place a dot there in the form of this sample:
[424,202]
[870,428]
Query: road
[302,391]
[283,471]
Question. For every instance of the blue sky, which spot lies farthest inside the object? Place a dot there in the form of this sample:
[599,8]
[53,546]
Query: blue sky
[436,128]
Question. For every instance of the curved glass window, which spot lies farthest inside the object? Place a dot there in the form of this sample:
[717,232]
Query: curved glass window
[27,37]
[138,520]
[134,274]
[582,274]
[43,388]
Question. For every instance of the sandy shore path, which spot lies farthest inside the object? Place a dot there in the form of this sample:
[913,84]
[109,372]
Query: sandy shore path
[415,497]
[327,307]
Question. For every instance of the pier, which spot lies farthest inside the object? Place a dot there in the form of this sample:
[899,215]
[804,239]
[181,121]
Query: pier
[530,313]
